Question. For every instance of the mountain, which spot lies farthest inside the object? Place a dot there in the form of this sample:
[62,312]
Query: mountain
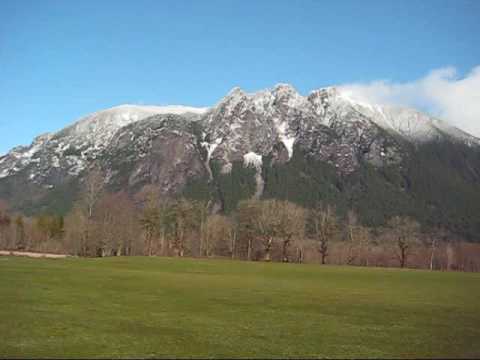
[379,160]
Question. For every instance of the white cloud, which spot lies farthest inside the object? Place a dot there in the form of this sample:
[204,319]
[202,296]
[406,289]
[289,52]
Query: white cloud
[441,93]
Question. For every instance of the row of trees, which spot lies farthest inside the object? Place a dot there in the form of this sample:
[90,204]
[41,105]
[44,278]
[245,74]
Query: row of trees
[104,224]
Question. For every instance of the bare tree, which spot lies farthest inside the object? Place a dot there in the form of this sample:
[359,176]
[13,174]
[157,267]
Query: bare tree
[76,231]
[233,238]
[266,224]
[451,256]
[167,224]
[150,221]
[258,220]
[218,235]
[404,232]
[115,218]
[50,226]
[20,233]
[300,249]
[158,220]
[324,226]
[93,189]
[203,208]
[5,221]
[433,246]
[364,238]
[247,210]
[291,225]
[186,219]
[431,241]
[351,230]
[92,192]
[357,239]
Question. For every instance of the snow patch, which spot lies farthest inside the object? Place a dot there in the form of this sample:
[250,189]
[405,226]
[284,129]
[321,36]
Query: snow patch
[180,109]
[288,141]
[255,160]
[4,173]
[252,159]
[30,152]
[56,162]
[234,127]
[210,149]
[226,168]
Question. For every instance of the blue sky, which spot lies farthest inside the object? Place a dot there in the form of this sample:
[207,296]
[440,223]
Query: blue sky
[60,60]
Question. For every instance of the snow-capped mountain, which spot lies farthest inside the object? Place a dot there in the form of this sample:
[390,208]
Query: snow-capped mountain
[248,137]
[75,146]
[242,123]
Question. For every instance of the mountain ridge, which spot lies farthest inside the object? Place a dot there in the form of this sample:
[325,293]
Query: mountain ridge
[236,146]
[125,114]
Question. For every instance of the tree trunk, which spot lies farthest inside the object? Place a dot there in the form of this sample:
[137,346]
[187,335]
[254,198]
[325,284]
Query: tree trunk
[207,245]
[450,257]
[162,242]
[299,256]
[351,256]
[284,252]
[402,258]
[249,250]
[432,255]
[267,249]
[267,255]
[323,251]
[202,240]
[368,256]
[234,235]
[403,252]
[181,240]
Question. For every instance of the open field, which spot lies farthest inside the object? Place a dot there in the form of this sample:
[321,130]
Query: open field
[164,307]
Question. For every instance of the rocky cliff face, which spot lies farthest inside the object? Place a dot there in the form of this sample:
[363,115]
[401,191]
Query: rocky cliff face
[161,150]
[172,147]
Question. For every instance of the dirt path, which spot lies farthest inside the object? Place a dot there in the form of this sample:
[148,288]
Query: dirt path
[32,254]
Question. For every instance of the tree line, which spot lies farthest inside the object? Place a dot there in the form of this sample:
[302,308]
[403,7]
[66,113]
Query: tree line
[116,224]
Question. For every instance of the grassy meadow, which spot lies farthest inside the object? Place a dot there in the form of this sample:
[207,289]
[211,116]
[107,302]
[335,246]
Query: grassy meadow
[164,307]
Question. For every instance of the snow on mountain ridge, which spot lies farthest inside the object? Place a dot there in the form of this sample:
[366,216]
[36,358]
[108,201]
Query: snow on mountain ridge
[409,123]
[255,122]
[108,121]
[85,138]
[238,124]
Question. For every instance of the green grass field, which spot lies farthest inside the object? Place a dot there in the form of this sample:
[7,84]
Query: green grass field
[163,307]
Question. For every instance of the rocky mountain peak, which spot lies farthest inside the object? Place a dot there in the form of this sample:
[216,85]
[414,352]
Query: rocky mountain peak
[329,124]
[284,90]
